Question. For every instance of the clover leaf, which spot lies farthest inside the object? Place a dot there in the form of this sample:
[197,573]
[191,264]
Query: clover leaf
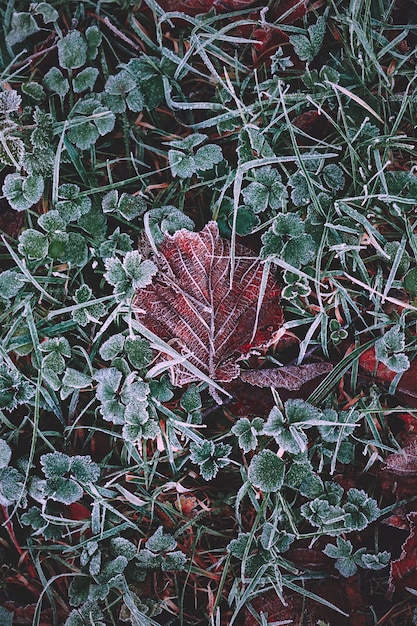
[123,92]
[89,120]
[22,192]
[127,206]
[55,82]
[308,46]
[67,476]
[247,432]
[129,275]
[266,191]
[210,456]
[14,389]
[287,240]
[389,349]
[184,162]
[347,561]
[288,429]
[167,220]
[87,314]
[266,471]
[72,50]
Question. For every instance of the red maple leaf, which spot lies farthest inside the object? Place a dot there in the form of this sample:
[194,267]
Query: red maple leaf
[209,319]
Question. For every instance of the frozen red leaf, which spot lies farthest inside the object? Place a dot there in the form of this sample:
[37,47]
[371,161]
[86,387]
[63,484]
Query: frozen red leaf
[195,7]
[344,594]
[290,377]
[403,572]
[399,471]
[192,304]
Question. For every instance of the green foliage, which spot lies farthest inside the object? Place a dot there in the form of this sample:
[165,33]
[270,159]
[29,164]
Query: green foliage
[210,457]
[184,162]
[121,125]
[128,206]
[287,240]
[266,471]
[288,430]
[247,432]
[265,191]
[14,388]
[129,275]
[308,46]
[22,192]
[72,50]
[66,477]
[347,561]
[389,349]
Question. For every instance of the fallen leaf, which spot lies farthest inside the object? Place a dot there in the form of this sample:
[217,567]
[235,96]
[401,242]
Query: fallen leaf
[399,471]
[195,7]
[403,572]
[252,393]
[192,305]
[290,377]
[343,593]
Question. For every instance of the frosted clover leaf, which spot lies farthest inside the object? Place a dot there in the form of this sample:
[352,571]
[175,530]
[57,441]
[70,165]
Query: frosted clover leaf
[211,457]
[288,430]
[123,92]
[344,424]
[167,220]
[308,46]
[89,121]
[347,561]
[360,509]
[266,471]
[72,50]
[115,397]
[276,539]
[55,82]
[185,162]
[247,432]
[53,363]
[11,283]
[71,206]
[138,423]
[287,240]
[23,192]
[67,476]
[127,206]
[87,314]
[389,350]
[129,275]
[14,389]
[160,552]
[266,191]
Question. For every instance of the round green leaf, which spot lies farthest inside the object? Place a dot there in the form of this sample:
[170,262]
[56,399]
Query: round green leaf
[266,471]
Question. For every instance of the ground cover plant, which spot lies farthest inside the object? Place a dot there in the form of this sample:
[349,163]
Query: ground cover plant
[208,298]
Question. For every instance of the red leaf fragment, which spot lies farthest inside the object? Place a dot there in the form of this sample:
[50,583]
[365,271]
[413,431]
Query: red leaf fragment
[399,472]
[343,593]
[192,305]
[403,571]
[292,381]
[290,377]
[195,7]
